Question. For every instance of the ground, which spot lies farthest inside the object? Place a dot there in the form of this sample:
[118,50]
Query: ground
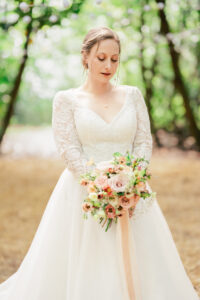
[26,183]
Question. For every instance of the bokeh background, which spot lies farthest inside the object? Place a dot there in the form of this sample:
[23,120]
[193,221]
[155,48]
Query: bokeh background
[40,44]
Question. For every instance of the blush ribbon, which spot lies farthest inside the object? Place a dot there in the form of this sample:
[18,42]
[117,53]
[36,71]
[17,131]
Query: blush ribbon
[128,258]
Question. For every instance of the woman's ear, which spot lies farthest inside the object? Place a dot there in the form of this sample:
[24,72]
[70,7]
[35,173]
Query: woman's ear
[85,59]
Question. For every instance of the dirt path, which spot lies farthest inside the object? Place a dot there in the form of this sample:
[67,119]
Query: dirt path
[26,184]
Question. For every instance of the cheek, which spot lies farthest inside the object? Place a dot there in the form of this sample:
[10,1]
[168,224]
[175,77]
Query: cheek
[96,65]
[115,66]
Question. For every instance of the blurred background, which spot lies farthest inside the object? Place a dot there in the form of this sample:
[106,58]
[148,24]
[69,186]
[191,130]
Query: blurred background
[40,44]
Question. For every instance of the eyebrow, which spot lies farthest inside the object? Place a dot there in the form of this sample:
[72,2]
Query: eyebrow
[105,53]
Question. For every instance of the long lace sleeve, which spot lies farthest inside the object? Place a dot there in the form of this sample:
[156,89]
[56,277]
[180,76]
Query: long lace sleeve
[65,134]
[142,146]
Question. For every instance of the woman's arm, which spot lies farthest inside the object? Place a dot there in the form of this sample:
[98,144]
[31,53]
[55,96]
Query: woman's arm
[142,146]
[65,134]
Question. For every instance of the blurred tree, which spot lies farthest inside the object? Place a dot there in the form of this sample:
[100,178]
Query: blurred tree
[178,79]
[146,59]
[32,16]
[148,76]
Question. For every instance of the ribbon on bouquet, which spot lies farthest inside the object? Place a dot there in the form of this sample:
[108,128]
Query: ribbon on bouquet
[128,258]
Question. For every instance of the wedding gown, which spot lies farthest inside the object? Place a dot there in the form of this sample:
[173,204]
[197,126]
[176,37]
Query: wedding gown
[71,258]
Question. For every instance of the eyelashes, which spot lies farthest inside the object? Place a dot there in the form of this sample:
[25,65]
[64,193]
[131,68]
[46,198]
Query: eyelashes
[101,59]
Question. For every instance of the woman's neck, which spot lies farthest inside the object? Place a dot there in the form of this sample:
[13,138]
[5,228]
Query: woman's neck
[97,88]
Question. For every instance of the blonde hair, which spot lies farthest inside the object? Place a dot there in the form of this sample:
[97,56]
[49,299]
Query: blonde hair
[96,35]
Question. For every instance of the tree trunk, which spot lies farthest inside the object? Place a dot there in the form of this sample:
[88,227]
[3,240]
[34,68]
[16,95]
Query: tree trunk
[148,82]
[178,79]
[14,91]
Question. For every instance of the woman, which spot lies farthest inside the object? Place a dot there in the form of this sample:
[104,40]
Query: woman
[74,259]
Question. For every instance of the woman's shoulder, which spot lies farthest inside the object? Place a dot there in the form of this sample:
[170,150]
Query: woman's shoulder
[63,96]
[132,89]
[136,95]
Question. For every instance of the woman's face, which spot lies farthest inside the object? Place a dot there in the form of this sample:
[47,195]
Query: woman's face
[103,61]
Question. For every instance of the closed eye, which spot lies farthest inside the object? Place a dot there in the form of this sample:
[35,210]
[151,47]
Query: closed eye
[101,59]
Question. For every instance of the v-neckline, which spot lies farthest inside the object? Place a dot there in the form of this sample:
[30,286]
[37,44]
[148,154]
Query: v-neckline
[115,117]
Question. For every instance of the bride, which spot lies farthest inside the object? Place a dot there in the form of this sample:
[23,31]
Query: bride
[75,259]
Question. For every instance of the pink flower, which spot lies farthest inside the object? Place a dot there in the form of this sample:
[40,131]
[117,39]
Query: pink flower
[110,211]
[118,182]
[140,186]
[100,196]
[126,202]
[87,206]
[135,198]
[121,211]
[91,187]
[122,160]
[129,201]
[108,190]
[84,182]
[104,165]
[101,181]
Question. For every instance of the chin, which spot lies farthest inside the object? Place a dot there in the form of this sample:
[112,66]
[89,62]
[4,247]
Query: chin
[106,79]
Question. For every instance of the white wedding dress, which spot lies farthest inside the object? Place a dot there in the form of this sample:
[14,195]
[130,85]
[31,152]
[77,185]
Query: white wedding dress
[71,258]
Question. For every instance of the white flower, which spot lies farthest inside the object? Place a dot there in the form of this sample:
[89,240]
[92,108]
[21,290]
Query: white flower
[101,213]
[96,217]
[92,196]
[115,202]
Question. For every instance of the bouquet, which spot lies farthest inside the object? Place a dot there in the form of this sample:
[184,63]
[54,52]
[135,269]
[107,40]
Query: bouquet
[114,187]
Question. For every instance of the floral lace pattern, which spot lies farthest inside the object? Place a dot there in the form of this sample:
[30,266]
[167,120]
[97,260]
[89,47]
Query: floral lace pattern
[142,145]
[65,135]
[80,134]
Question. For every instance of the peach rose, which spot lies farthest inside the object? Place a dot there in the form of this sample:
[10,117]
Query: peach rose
[101,181]
[118,182]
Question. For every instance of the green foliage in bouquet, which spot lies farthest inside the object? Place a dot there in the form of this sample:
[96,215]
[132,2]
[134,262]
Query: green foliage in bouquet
[114,187]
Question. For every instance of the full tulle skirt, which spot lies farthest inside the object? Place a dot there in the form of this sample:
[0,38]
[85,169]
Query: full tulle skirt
[71,258]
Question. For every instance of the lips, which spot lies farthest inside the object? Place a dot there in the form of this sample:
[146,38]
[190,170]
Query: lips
[106,73]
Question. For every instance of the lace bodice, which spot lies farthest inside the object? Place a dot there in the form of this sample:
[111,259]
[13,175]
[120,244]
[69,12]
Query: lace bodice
[81,134]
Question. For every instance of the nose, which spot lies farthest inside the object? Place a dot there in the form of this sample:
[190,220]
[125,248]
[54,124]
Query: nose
[108,64]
